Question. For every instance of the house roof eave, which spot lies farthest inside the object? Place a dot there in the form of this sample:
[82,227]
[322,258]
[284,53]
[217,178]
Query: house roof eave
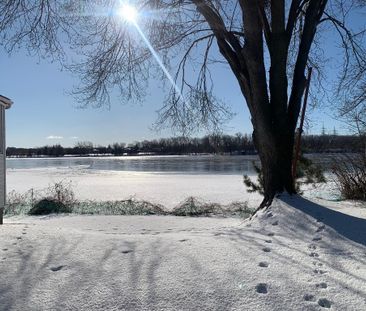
[6,102]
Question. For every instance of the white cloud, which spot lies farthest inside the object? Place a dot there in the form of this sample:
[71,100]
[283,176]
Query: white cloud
[54,137]
[74,137]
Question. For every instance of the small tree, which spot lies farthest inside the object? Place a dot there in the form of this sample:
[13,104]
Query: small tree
[306,173]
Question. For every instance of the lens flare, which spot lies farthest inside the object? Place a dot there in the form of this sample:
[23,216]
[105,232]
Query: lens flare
[159,61]
[128,13]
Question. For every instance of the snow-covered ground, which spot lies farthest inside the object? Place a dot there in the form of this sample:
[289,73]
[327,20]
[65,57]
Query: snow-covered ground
[305,258]
[296,255]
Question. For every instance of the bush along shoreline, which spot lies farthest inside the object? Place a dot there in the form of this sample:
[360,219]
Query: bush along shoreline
[59,198]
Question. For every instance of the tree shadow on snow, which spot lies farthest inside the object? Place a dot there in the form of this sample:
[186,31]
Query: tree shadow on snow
[351,227]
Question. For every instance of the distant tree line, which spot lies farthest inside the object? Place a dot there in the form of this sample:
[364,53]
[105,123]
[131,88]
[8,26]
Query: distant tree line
[213,144]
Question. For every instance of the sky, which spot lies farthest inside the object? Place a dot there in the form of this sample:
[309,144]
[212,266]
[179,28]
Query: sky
[44,113]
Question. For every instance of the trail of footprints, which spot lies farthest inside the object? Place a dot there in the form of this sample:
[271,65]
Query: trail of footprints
[18,239]
[262,288]
[322,302]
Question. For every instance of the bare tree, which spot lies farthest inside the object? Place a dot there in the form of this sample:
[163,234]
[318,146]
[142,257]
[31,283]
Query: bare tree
[266,44]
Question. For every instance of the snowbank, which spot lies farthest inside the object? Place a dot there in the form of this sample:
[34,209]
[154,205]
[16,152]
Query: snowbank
[296,255]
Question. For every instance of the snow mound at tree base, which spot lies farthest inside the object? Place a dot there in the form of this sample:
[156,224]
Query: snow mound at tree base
[299,218]
[285,258]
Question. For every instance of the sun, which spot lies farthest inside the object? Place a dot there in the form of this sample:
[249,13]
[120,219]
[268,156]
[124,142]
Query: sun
[128,13]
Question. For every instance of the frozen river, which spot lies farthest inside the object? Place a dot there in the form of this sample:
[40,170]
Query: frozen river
[193,164]
[202,164]
[162,179]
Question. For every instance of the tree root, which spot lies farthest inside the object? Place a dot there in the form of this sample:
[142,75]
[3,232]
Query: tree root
[267,201]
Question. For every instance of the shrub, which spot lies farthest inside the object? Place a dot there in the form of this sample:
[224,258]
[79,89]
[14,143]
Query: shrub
[253,186]
[306,173]
[240,209]
[350,173]
[49,206]
[61,192]
[194,207]
[122,207]
[19,203]
[59,198]
[313,173]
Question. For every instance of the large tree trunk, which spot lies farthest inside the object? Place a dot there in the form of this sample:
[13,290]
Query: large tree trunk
[275,150]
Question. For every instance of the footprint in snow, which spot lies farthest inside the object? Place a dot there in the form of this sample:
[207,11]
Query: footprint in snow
[319,264]
[266,249]
[127,251]
[316,239]
[19,237]
[313,254]
[319,271]
[322,285]
[312,246]
[320,229]
[58,268]
[324,303]
[309,297]
[183,240]
[269,214]
[275,223]
[263,264]
[261,288]
[271,234]
[5,249]
[268,241]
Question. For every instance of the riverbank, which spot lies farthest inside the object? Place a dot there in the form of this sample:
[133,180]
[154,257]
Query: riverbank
[296,255]
[165,189]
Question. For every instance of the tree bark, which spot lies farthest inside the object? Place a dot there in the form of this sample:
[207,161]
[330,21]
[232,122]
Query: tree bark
[275,150]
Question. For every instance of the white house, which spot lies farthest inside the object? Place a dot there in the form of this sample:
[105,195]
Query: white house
[5,103]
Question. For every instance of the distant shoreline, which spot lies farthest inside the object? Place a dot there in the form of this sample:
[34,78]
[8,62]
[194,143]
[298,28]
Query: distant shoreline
[329,152]
[128,155]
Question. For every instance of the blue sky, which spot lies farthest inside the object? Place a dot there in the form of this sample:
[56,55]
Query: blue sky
[44,113]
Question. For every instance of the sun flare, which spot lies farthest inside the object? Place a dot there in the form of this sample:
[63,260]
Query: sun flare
[128,13]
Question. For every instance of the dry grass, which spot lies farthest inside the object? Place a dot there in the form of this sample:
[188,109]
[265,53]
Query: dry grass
[63,193]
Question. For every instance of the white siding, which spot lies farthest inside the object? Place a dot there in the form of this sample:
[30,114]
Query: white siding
[2,157]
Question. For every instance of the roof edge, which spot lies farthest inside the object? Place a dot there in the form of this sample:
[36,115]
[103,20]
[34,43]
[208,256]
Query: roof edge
[5,101]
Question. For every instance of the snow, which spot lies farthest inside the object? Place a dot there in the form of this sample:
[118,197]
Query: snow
[166,189]
[296,255]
